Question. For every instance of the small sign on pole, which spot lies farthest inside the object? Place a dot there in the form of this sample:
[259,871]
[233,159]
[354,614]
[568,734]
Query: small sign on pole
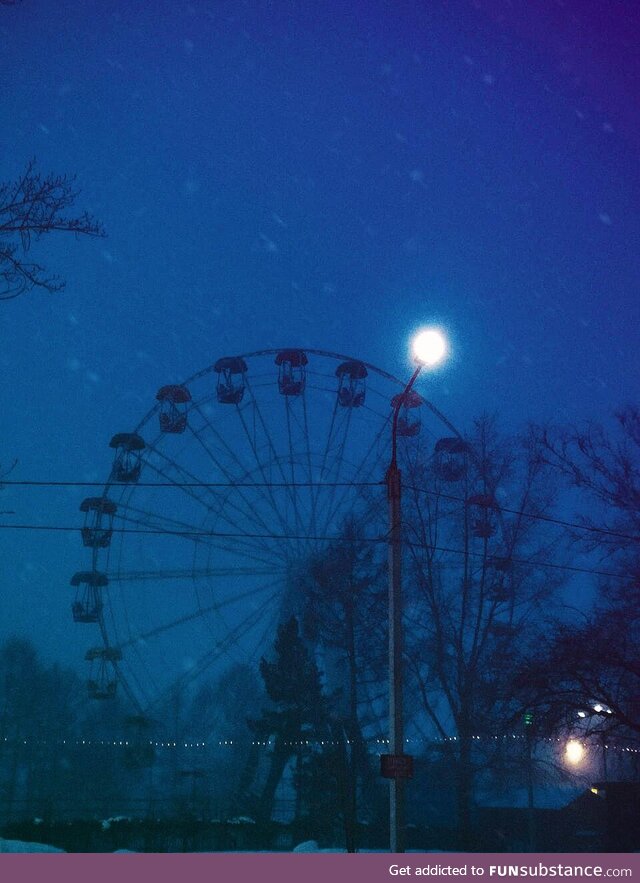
[396,766]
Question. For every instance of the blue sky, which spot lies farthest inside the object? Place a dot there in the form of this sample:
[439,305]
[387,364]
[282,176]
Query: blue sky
[278,174]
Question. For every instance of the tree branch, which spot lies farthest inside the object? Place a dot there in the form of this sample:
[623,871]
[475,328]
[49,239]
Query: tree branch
[30,207]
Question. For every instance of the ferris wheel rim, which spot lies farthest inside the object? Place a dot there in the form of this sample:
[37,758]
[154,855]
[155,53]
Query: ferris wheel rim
[129,490]
[381,372]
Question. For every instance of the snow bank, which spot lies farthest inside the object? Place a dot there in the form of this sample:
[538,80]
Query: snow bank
[24,846]
[307,846]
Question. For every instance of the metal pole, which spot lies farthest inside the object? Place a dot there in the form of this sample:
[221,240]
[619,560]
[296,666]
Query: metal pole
[396,730]
[531,820]
[396,734]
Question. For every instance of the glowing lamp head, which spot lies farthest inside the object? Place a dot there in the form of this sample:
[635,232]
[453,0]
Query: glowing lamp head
[429,347]
[574,752]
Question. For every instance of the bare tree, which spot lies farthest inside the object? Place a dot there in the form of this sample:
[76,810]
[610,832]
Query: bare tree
[605,468]
[586,678]
[30,207]
[594,663]
[477,596]
[345,607]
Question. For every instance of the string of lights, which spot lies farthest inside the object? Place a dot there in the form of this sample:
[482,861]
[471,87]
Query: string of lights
[377,744]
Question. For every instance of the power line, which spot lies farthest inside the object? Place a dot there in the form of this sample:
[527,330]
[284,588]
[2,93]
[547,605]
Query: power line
[200,534]
[182,484]
[328,484]
[533,515]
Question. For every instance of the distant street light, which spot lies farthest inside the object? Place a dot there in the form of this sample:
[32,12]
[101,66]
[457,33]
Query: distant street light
[598,710]
[574,752]
[601,709]
[429,348]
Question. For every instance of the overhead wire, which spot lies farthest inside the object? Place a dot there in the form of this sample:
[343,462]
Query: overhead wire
[533,515]
[332,539]
[329,484]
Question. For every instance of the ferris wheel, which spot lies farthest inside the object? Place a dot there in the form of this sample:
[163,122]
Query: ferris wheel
[218,498]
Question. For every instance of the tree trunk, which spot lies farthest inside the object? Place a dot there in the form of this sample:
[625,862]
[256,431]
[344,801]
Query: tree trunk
[279,758]
[465,791]
[352,757]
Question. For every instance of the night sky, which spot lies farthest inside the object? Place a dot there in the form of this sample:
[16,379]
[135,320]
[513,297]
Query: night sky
[328,176]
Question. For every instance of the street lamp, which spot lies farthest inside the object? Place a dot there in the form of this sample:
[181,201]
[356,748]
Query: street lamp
[429,348]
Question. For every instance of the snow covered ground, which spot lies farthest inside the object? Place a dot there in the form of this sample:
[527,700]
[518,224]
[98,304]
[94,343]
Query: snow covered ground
[25,846]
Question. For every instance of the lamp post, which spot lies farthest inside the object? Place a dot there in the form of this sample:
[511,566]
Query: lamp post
[429,348]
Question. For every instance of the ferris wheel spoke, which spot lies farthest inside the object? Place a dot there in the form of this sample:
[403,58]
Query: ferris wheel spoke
[327,445]
[291,458]
[362,474]
[274,558]
[156,523]
[274,457]
[335,475]
[242,629]
[323,463]
[220,500]
[250,514]
[263,493]
[310,493]
[253,593]
[216,498]
[160,575]
[262,471]
[213,655]
[264,553]
[124,680]
[300,454]
[131,695]
[131,676]
[195,614]
[239,629]
[189,483]
[258,542]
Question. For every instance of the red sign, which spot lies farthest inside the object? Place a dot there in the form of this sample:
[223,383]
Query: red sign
[396,766]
